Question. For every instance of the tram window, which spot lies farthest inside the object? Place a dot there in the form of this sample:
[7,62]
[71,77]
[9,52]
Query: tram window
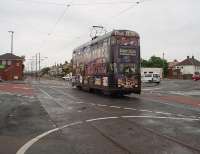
[127,68]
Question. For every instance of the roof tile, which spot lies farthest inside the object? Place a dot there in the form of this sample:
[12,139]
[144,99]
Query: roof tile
[10,56]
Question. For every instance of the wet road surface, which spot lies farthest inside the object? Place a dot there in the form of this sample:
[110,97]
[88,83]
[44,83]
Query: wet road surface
[59,119]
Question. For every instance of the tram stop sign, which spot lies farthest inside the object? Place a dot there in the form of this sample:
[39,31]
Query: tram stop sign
[2,66]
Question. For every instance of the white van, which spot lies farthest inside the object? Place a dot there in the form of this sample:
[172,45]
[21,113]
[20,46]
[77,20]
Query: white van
[151,77]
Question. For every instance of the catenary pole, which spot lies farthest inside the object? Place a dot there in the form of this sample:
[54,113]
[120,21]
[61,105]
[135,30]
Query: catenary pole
[11,48]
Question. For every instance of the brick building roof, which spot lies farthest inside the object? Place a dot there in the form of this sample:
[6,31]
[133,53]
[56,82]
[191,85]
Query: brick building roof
[172,64]
[10,56]
[189,61]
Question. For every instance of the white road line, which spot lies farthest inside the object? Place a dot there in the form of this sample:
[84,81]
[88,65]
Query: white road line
[126,108]
[181,115]
[101,105]
[167,113]
[27,145]
[117,107]
[44,92]
[155,117]
[163,113]
[146,111]
[105,118]
[146,89]
[79,102]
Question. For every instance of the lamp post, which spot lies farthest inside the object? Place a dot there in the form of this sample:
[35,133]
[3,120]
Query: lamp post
[12,32]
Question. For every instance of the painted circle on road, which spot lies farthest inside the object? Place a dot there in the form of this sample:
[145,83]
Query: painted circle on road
[27,145]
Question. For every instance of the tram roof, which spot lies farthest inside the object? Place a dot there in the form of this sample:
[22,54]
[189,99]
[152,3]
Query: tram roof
[99,38]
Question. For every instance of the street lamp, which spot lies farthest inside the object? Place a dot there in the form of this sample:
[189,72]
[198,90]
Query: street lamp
[12,32]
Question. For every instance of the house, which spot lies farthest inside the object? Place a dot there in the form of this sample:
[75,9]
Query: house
[56,70]
[146,70]
[188,67]
[174,73]
[11,67]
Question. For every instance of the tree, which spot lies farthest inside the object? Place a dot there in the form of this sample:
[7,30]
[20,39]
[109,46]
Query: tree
[156,62]
[45,70]
[144,63]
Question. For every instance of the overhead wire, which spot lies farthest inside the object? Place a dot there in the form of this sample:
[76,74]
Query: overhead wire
[70,4]
[54,26]
[114,17]
[80,4]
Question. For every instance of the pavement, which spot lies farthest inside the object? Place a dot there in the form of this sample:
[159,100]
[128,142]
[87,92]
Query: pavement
[51,117]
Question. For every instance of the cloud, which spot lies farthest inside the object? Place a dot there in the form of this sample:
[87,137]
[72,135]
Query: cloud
[164,26]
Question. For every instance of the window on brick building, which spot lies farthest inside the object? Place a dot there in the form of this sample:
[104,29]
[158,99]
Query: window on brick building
[4,62]
[9,62]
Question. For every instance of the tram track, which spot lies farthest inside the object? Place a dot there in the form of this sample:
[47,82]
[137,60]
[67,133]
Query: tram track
[151,131]
[111,140]
[170,138]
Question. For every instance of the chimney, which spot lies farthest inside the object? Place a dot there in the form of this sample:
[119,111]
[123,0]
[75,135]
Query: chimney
[188,57]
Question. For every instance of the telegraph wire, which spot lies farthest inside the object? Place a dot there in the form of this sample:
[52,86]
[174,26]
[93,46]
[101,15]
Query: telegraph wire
[55,25]
[80,4]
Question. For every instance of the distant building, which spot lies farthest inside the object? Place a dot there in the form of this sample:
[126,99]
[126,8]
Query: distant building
[56,70]
[188,67]
[11,67]
[146,70]
[173,72]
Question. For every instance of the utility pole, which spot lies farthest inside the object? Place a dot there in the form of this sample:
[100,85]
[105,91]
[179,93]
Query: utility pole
[12,32]
[36,69]
[163,65]
[39,64]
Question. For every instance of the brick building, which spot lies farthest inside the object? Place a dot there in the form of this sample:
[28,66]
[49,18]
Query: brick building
[11,67]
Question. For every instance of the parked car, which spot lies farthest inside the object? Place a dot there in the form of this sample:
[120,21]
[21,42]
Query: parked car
[67,77]
[151,78]
[196,77]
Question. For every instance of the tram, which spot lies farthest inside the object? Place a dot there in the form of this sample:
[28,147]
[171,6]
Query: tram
[109,63]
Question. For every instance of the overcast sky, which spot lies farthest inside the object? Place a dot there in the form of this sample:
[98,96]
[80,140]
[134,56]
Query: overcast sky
[55,27]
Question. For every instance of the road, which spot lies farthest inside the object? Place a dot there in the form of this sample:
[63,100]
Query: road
[47,116]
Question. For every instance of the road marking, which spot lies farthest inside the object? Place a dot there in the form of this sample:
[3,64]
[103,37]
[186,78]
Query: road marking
[161,112]
[126,108]
[44,92]
[27,145]
[145,111]
[105,118]
[155,117]
[147,89]
[180,115]
[80,103]
[117,107]
[71,124]
[101,105]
